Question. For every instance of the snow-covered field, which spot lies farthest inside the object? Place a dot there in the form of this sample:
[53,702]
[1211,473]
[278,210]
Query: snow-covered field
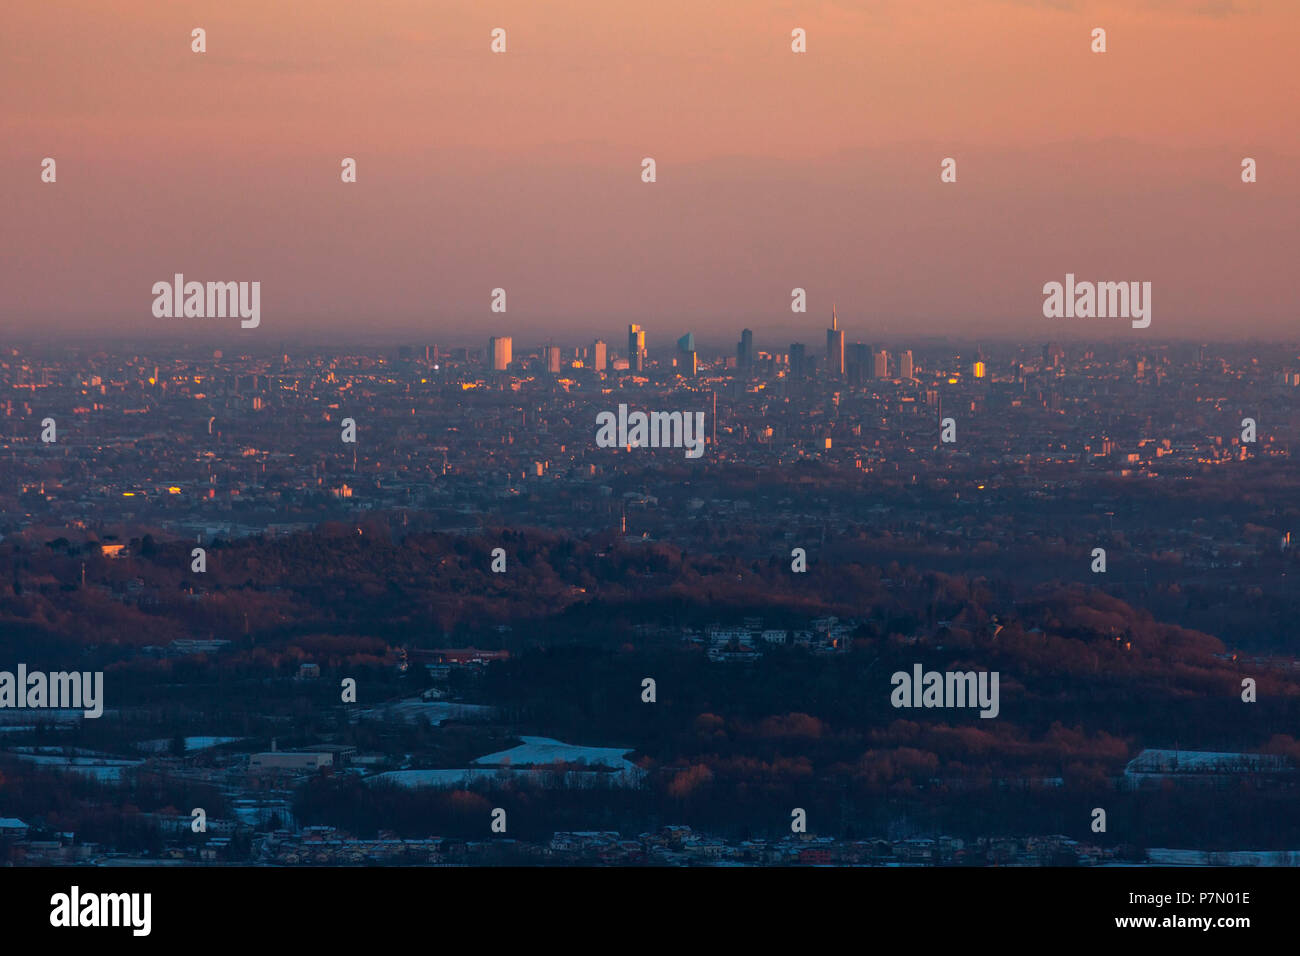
[56,715]
[530,763]
[105,769]
[1156,761]
[452,779]
[433,778]
[191,744]
[414,709]
[1224,858]
[543,750]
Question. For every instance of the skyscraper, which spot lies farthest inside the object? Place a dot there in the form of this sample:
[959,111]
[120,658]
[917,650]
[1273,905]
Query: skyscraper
[553,359]
[797,364]
[881,364]
[745,349]
[687,359]
[599,355]
[635,348]
[834,346]
[905,370]
[857,362]
[499,352]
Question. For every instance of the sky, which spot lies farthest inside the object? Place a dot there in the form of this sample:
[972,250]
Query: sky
[775,170]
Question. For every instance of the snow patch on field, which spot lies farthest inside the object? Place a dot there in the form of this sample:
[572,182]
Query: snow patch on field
[532,763]
[191,743]
[436,712]
[535,751]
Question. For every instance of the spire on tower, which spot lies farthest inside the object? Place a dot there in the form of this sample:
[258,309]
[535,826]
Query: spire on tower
[835,319]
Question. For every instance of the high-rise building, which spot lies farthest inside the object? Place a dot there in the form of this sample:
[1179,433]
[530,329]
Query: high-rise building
[905,369]
[553,359]
[834,345]
[636,348]
[857,362]
[935,401]
[880,364]
[687,358]
[599,355]
[978,369]
[499,351]
[745,349]
[798,365]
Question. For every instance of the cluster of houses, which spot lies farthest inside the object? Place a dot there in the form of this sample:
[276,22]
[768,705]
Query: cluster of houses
[668,846]
[682,846]
[745,641]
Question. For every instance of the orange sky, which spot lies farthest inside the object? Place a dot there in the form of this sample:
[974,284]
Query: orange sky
[775,170]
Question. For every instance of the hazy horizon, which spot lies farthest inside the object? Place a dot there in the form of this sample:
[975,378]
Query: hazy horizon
[775,170]
[660,347]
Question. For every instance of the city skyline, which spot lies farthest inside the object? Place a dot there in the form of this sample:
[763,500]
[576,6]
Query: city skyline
[720,342]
